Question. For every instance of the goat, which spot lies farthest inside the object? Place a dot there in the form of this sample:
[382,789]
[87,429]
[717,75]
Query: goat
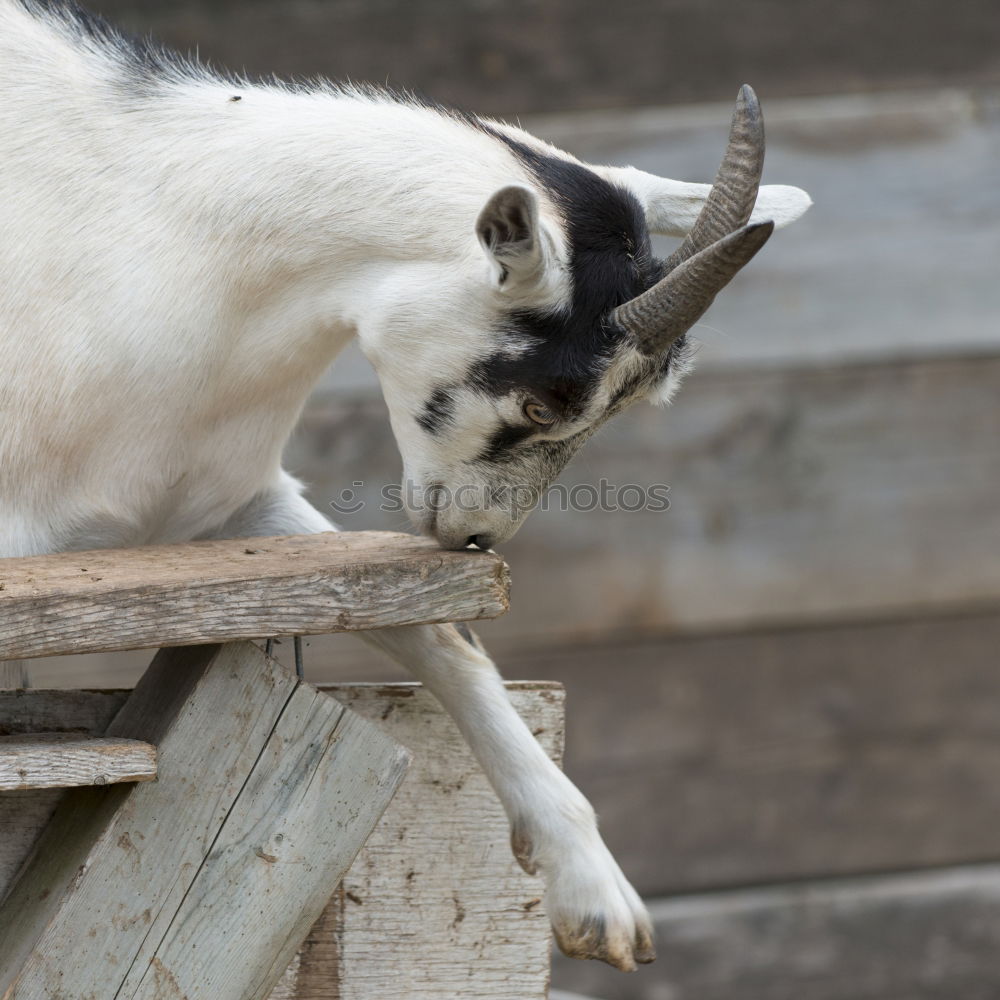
[183,255]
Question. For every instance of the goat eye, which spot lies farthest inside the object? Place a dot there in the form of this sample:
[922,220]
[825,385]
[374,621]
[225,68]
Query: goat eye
[539,414]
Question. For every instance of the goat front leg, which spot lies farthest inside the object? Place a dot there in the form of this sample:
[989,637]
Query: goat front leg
[595,913]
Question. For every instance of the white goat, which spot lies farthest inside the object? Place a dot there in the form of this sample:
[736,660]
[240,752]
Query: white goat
[183,255]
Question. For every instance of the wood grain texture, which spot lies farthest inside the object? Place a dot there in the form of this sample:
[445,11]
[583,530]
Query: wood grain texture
[316,792]
[61,760]
[111,880]
[434,906]
[931,935]
[244,588]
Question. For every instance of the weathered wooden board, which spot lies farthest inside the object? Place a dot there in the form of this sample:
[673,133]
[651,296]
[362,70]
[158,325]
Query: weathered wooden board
[62,760]
[747,759]
[243,588]
[314,795]
[24,814]
[435,889]
[924,936]
[109,891]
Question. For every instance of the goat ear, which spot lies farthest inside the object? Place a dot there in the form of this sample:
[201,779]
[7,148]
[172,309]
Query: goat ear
[510,231]
[672,206]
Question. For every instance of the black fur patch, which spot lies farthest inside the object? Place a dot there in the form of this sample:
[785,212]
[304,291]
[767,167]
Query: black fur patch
[503,440]
[610,261]
[438,411]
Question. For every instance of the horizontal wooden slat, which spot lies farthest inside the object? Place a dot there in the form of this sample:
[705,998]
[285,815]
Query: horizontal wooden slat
[23,814]
[59,760]
[924,936]
[213,591]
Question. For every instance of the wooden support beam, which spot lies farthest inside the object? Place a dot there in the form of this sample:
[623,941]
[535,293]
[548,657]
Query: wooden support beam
[436,879]
[62,760]
[434,905]
[202,884]
[214,591]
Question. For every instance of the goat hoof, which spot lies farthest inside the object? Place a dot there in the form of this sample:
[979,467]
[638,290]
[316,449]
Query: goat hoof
[593,938]
[596,913]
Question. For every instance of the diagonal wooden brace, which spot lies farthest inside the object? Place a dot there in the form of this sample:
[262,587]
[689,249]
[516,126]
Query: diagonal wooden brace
[202,884]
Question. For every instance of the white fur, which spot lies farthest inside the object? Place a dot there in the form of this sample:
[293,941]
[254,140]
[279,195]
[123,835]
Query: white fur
[178,270]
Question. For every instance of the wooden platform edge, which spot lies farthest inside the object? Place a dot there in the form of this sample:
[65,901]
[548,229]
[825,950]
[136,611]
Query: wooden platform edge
[247,588]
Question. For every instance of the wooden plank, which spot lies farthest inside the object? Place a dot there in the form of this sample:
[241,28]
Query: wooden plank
[243,588]
[771,756]
[61,760]
[930,935]
[114,875]
[313,797]
[23,815]
[436,878]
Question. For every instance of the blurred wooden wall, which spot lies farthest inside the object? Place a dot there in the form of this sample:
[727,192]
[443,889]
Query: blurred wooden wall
[519,56]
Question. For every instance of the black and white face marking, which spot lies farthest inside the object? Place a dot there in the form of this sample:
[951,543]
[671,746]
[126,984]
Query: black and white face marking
[572,362]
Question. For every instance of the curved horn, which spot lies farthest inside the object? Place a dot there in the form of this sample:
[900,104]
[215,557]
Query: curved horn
[675,303]
[734,191]
[715,249]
